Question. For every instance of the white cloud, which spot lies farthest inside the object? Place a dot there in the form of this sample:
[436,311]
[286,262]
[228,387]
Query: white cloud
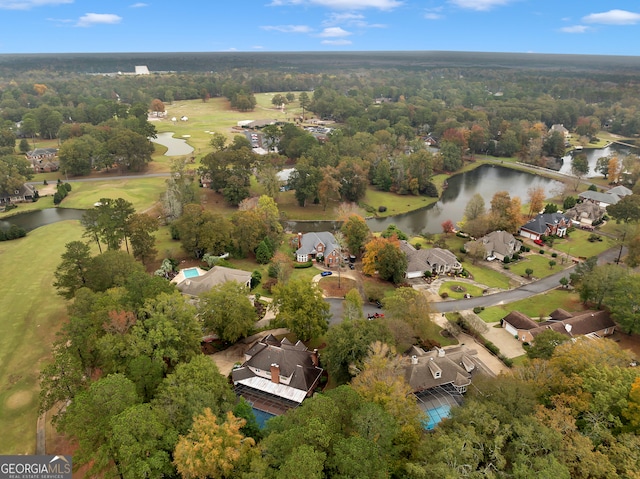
[613,17]
[480,5]
[338,42]
[351,19]
[333,32]
[29,4]
[343,4]
[258,47]
[139,5]
[287,28]
[575,29]
[433,16]
[90,19]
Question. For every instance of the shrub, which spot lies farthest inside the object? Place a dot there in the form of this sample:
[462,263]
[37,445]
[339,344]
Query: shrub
[57,198]
[506,260]
[554,255]
[382,209]
[14,232]
[175,233]
[444,295]
[541,251]
[428,274]
[516,256]
[478,309]
[463,250]
[67,186]
[506,266]
[308,264]
[493,349]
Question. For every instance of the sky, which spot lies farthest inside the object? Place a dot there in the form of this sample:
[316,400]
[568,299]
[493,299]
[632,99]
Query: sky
[526,26]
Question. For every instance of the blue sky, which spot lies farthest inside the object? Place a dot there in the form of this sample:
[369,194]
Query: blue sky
[538,26]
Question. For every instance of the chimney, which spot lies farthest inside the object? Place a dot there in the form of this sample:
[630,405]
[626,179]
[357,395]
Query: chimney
[314,357]
[299,240]
[414,359]
[275,373]
[567,327]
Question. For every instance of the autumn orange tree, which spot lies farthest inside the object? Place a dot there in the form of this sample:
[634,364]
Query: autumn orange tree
[213,449]
[536,200]
[383,255]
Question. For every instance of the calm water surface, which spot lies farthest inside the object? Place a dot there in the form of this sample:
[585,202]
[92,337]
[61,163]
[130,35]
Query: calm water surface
[35,219]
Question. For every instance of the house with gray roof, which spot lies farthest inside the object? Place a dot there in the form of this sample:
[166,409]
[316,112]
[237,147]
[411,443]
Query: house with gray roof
[433,260]
[604,199]
[277,375]
[545,224]
[23,194]
[592,324]
[560,128]
[313,245]
[204,281]
[499,244]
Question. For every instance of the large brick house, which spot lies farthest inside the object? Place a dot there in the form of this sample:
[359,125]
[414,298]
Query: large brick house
[313,245]
[545,224]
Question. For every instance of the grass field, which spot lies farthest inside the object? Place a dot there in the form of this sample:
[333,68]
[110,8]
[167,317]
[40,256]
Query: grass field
[578,245]
[535,306]
[457,289]
[487,276]
[143,193]
[31,315]
[539,263]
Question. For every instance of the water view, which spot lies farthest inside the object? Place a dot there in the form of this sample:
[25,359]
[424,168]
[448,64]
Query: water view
[35,219]
[593,154]
[485,180]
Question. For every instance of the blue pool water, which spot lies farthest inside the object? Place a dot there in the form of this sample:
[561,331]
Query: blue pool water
[436,415]
[262,417]
[190,272]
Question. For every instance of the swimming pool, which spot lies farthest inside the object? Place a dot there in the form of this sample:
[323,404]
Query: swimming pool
[190,272]
[262,417]
[436,415]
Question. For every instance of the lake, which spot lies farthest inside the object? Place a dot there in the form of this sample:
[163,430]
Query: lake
[593,154]
[31,220]
[485,180]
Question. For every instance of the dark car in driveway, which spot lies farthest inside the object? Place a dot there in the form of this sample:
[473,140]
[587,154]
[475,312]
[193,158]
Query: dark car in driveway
[326,273]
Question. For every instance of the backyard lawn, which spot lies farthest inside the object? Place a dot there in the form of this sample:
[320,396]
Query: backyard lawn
[143,193]
[487,276]
[577,244]
[457,289]
[535,306]
[32,313]
[539,263]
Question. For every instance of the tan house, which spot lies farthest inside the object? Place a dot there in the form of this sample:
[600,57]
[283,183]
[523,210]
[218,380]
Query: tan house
[594,324]
[433,260]
[25,193]
[195,281]
[498,244]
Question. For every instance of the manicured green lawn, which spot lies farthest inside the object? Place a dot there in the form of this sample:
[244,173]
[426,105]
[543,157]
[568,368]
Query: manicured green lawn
[578,245]
[32,312]
[141,192]
[43,203]
[539,263]
[487,276]
[451,288]
[535,306]
[396,204]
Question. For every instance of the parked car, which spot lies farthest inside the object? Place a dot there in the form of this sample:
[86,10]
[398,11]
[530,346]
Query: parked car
[378,304]
[490,258]
[374,316]
[539,242]
[351,266]
[326,273]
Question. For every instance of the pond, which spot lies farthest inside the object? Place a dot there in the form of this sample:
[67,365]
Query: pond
[35,219]
[485,180]
[593,154]
[175,146]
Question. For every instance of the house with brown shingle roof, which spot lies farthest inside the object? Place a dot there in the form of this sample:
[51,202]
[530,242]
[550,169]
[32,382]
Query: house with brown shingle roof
[593,324]
[433,260]
[277,375]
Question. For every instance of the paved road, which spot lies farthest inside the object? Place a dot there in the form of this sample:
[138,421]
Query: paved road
[531,289]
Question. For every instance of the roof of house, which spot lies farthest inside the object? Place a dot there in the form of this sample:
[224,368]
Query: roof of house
[588,210]
[455,366]
[621,191]
[42,151]
[295,362]
[25,190]
[500,242]
[520,321]
[607,198]
[559,127]
[310,242]
[425,259]
[540,222]
[569,324]
[215,276]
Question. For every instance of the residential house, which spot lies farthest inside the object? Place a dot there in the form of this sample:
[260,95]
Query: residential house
[498,244]
[585,213]
[545,224]
[195,281]
[322,244]
[43,160]
[592,324]
[433,260]
[277,375]
[560,129]
[23,194]
[439,378]
[610,197]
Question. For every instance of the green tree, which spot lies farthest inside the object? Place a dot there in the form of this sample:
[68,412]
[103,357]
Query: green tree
[301,308]
[579,167]
[305,101]
[218,141]
[392,263]
[545,344]
[140,443]
[227,311]
[412,308]
[71,273]
[191,388]
[624,303]
[140,229]
[598,285]
[89,419]
[248,231]
[130,150]
[626,210]
[202,231]
[356,232]
[353,305]
[76,155]
[475,208]
[305,180]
